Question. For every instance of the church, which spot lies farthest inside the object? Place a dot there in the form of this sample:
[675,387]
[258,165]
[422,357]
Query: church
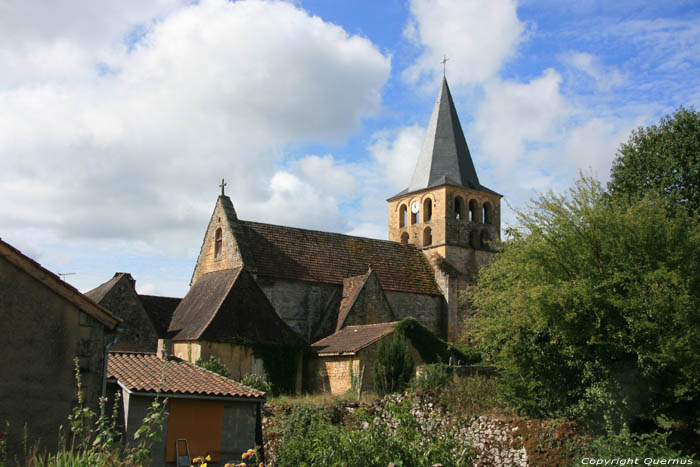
[257,284]
[442,227]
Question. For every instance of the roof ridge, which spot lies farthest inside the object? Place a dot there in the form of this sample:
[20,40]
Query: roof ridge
[331,233]
[69,293]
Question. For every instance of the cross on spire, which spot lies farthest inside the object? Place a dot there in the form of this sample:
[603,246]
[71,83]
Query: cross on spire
[223,184]
[444,61]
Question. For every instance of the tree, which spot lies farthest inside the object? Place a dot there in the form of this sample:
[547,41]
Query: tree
[663,158]
[592,310]
[394,365]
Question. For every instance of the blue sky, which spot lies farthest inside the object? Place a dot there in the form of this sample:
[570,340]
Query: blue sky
[118,119]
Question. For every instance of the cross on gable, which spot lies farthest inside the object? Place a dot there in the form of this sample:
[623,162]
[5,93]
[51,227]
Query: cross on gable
[223,184]
[444,61]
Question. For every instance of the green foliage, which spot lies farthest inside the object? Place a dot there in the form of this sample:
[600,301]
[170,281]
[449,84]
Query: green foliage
[313,438]
[394,365]
[624,444]
[663,158]
[433,379]
[214,365]
[96,440]
[431,348]
[281,362]
[592,310]
[471,396]
[256,382]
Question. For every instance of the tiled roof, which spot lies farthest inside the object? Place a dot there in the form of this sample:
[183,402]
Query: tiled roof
[58,286]
[228,304]
[160,310]
[146,372]
[310,255]
[352,339]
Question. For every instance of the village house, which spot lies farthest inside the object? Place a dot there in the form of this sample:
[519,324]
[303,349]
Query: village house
[48,325]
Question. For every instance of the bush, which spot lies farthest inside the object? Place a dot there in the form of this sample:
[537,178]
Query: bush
[432,379]
[311,437]
[214,365]
[624,444]
[394,366]
[256,382]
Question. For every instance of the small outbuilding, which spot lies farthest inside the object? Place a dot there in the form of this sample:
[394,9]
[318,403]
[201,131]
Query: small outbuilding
[217,416]
[347,356]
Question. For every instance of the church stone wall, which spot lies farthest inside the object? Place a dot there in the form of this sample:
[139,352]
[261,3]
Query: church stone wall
[309,308]
[230,257]
[429,310]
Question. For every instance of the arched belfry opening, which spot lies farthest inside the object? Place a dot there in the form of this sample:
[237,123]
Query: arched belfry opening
[427,236]
[427,210]
[218,243]
[488,213]
[459,208]
[403,215]
[473,210]
[404,238]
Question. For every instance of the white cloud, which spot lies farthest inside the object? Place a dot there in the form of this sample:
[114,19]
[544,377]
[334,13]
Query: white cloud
[137,152]
[514,117]
[478,37]
[396,152]
[606,78]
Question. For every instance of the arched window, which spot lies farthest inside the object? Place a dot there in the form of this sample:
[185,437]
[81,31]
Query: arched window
[473,210]
[459,208]
[427,236]
[485,239]
[415,217]
[217,243]
[427,210]
[404,238]
[488,213]
[403,215]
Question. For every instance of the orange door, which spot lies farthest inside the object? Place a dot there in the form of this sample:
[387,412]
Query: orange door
[198,421]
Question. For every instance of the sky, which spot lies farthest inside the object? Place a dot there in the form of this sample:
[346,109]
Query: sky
[119,118]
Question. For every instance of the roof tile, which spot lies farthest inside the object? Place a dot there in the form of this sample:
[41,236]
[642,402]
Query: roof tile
[352,339]
[146,372]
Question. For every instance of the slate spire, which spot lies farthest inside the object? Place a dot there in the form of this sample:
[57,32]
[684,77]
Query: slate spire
[444,158]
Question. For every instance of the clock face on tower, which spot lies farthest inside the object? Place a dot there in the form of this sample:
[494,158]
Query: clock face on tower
[415,207]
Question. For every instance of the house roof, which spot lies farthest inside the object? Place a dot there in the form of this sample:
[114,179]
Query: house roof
[57,285]
[146,372]
[352,339]
[310,255]
[228,304]
[444,158]
[160,310]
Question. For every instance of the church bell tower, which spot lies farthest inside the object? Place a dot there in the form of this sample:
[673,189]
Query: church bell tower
[446,212]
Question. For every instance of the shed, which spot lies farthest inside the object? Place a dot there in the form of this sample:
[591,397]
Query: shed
[216,415]
[340,358]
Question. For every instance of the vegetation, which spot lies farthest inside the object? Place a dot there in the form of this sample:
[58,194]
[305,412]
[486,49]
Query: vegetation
[95,441]
[214,365]
[592,310]
[314,436]
[431,348]
[664,159]
[394,365]
[281,362]
[256,382]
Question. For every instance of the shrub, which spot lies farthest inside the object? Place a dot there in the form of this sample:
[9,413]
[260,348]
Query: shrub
[432,379]
[214,365]
[394,365]
[256,382]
